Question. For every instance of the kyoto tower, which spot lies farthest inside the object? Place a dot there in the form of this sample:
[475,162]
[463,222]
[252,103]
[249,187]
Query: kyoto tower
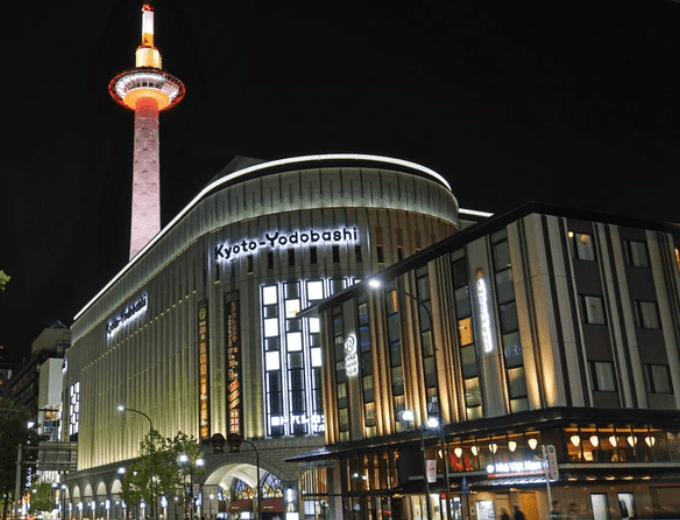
[147,90]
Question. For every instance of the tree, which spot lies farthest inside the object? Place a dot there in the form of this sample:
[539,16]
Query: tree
[41,497]
[158,472]
[13,433]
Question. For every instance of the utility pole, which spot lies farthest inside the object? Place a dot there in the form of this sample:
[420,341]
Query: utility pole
[17,496]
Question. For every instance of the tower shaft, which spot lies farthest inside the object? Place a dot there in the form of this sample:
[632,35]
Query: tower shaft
[146,183]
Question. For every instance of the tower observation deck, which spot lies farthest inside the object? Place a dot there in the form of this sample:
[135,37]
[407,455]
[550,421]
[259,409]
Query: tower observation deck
[147,90]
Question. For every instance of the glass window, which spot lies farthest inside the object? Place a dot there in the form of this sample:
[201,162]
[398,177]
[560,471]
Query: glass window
[508,317]
[582,246]
[463,301]
[593,310]
[465,336]
[316,357]
[600,506]
[516,383]
[602,373]
[512,350]
[315,290]
[292,308]
[659,379]
[636,253]
[294,341]
[271,327]
[269,296]
[501,255]
[647,315]
[469,361]
[460,275]
[505,290]
[273,361]
[473,395]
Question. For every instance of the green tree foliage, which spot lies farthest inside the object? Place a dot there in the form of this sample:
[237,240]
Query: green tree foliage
[158,471]
[13,433]
[41,498]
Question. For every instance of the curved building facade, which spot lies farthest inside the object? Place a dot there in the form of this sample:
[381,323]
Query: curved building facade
[200,331]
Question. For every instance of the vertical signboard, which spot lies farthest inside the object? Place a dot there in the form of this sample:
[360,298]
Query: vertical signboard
[232,321]
[203,390]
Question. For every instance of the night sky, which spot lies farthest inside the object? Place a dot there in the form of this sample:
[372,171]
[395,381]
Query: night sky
[573,102]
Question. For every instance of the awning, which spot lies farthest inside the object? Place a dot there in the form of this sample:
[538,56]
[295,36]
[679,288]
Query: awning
[272,505]
[240,505]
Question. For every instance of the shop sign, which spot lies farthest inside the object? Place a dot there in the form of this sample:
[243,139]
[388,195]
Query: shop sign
[233,334]
[485,318]
[517,468]
[276,239]
[203,390]
[431,470]
[131,311]
[351,358]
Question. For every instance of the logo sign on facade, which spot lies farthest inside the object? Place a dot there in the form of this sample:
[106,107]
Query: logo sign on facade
[131,311]
[351,358]
[517,468]
[484,316]
[551,455]
[431,470]
[204,391]
[233,335]
[275,239]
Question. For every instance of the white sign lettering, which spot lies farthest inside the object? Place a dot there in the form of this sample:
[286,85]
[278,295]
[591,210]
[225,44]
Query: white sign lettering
[296,238]
[485,319]
[516,468]
[127,314]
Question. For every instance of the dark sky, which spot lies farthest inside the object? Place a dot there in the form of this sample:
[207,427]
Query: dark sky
[573,102]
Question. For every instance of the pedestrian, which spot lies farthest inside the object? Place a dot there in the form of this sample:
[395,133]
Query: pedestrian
[556,513]
[504,514]
[518,513]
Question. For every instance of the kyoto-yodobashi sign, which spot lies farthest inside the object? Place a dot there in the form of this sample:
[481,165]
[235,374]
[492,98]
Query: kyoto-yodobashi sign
[131,311]
[276,239]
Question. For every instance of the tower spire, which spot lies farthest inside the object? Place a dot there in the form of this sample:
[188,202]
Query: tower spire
[147,90]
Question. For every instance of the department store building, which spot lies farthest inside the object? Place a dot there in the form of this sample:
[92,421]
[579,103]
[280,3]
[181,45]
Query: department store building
[200,331]
[545,328]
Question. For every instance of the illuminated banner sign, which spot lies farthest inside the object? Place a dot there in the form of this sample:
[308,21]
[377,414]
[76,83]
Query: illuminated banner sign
[234,381]
[485,318]
[518,468]
[204,389]
[274,239]
[131,311]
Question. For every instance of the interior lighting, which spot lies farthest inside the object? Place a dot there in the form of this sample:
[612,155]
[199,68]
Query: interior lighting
[512,445]
[432,422]
[612,440]
[575,440]
[650,441]
[474,450]
[493,447]
[632,440]
[458,451]
[408,416]
[594,440]
[532,442]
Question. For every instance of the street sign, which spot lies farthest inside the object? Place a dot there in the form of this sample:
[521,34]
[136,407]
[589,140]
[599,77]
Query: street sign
[551,455]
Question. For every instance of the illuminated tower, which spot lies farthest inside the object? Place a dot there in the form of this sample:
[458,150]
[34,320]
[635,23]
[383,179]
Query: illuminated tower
[147,90]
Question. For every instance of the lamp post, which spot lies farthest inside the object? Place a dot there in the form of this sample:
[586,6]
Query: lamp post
[409,417]
[63,501]
[439,425]
[235,441]
[184,460]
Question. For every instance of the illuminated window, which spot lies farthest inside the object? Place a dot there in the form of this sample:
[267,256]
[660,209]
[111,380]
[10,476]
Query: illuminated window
[647,315]
[465,336]
[273,361]
[315,290]
[74,410]
[636,253]
[271,327]
[292,308]
[269,295]
[314,325]
[294,341]
[582,246]
[592,310]
[316,357]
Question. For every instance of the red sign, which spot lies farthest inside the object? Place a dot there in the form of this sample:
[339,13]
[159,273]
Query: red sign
[203,387]
[233,335]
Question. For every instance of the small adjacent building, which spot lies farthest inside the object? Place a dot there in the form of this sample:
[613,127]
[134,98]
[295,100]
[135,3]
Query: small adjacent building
[544,340]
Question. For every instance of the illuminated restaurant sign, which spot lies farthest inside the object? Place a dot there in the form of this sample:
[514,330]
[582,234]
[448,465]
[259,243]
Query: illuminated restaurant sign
[274,239]
[204,389]
[233,335]
[131,311]
[516,468]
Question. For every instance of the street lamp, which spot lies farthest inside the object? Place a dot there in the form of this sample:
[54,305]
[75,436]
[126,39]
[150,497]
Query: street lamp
[63,501]
[122,408]
[184,460]
[235,441]
[409,417]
